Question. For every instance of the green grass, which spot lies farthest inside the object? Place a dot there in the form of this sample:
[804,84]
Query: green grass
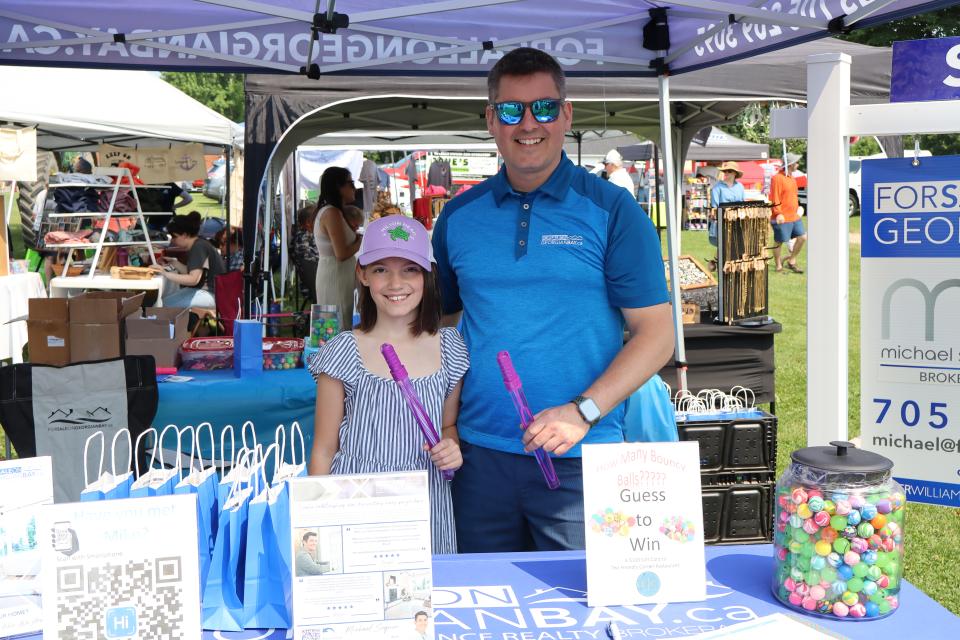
[926,527]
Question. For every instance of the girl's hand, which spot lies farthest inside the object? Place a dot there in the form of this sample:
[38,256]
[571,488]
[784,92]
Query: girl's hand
[446,455]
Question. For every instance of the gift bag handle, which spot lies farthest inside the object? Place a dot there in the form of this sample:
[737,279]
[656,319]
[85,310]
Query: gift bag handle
[295,429]
[136,458]
[213,451]
[113,451]
[279,438]
[163,433]
[86,448]
[223,450]
[192,434]
[253,436]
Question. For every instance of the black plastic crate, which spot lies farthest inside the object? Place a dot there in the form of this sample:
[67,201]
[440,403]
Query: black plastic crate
[734,445]
[738,512]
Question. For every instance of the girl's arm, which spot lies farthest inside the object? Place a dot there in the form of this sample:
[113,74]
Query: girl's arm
[446,455]
[326,424]
[336,228]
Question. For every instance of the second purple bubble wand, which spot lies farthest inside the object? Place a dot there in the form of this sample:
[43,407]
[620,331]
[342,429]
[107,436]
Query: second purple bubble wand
[400,376]
[512,382]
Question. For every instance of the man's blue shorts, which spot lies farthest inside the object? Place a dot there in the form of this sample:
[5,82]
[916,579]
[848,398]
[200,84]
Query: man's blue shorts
[788,230]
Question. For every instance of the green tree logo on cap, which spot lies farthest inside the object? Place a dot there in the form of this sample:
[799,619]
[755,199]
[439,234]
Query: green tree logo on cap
[399,233]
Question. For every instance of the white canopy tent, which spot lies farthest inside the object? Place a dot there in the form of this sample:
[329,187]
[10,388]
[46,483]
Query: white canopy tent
[77,109]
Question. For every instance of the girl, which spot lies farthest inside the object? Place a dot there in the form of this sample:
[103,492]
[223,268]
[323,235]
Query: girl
[362,423]
[337,243]
[197,277]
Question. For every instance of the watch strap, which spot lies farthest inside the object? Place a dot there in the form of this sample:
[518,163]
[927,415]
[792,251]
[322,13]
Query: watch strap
[576,402]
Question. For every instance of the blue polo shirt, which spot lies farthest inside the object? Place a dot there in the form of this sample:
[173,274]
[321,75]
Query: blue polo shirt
[723,193]
[543,275]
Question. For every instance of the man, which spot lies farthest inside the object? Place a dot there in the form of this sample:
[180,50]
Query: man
[616,174]
[420,626]
[786,221]
[306,563]
[548,262]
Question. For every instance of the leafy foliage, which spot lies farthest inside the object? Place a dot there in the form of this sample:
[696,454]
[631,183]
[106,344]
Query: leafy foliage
[222,92]
[938,24]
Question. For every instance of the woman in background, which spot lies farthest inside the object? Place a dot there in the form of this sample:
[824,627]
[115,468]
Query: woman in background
[197,277]
[337,243]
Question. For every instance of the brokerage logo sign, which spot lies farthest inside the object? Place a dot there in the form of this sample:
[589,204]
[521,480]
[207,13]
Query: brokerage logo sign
[925,70]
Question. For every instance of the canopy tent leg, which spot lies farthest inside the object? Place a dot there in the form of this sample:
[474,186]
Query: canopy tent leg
[673,238]
[267,221]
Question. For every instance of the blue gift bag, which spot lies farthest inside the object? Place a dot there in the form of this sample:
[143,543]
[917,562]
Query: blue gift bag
[267,594]
[157,480]
[202,483]
[649,415]
[223,590]
[247,348]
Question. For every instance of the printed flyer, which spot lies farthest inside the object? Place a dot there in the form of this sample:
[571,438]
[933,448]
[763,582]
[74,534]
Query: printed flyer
[644,523]
[25,485]
[121,568]
[362,561]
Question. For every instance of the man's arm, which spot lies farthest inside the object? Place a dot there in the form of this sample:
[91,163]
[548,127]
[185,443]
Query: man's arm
[558,429]
[307,566]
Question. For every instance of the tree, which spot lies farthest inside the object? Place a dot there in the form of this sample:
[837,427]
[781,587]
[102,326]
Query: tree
[753,125]
[937,24]
[222,92]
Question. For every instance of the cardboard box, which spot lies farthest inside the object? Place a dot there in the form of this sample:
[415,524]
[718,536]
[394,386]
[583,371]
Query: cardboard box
[48,331]
[157,332]
[96,323]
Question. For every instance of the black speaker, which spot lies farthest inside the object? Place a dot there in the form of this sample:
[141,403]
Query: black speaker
[656,33]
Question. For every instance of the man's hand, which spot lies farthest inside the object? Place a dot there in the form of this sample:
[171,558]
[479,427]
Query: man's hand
[780,218]
[446,455]
[557,430]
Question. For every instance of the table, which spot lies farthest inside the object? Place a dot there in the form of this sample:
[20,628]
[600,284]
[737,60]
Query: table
[15,290]
[542,596]
[60,287]
[270,399]
[721,356]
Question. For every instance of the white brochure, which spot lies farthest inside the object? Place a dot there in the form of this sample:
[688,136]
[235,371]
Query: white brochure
[25,484]
[644,523]
[362,562]
[125,567]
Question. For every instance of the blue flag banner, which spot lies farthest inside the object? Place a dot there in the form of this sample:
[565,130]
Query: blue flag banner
[926,70]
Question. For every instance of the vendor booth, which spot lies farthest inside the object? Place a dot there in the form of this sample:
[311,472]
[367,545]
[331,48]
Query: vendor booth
[332,545]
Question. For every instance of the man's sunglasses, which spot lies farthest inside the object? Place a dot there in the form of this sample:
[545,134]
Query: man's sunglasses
[544,110]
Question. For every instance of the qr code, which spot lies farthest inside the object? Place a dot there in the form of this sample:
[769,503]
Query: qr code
[135,599]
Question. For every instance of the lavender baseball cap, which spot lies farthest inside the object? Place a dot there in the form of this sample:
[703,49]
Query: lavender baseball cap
[396,236]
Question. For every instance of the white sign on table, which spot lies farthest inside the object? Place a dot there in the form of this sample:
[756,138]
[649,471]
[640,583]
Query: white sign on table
[25,485]
[362,556]
[644,523]
[126,567]
[909,314]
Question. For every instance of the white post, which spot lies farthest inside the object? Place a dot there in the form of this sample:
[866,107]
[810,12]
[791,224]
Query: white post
[828,101]
[268,219]
[673,221]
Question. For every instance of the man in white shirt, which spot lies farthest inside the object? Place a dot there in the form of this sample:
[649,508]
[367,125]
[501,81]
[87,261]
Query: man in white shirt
[613,164]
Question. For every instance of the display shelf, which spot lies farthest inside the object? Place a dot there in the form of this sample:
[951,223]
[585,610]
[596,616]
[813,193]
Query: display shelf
[123,179]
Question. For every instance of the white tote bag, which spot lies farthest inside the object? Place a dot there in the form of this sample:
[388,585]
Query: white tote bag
[18,154]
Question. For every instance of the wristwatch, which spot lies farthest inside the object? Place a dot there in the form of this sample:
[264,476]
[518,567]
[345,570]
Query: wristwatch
[588,409]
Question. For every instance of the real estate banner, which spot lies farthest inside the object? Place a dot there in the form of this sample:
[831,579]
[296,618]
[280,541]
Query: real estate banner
[909,314]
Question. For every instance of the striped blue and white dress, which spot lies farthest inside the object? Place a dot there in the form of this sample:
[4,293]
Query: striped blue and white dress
[378,432]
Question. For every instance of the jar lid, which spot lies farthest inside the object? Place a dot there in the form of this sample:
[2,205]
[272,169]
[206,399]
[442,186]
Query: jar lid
[842,456]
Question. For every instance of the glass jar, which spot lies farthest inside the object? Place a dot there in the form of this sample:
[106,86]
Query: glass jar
[838,541]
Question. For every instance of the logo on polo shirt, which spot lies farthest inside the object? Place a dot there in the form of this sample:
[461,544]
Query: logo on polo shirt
[561,239]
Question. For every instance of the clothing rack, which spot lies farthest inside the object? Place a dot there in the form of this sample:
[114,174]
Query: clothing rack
[743,234]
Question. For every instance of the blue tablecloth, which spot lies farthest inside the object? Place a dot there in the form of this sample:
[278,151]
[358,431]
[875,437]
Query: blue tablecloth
[542,596]
[268,400]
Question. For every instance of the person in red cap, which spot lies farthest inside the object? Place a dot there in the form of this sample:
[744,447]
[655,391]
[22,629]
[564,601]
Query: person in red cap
[785,217]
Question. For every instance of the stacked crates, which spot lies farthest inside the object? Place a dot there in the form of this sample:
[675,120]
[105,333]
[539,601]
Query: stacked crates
[738,460]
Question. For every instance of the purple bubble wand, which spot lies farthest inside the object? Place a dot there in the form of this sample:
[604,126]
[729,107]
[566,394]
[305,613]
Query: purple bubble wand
[399,374]
[512,382]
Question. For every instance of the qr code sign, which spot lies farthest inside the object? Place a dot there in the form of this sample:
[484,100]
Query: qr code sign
[133,600]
